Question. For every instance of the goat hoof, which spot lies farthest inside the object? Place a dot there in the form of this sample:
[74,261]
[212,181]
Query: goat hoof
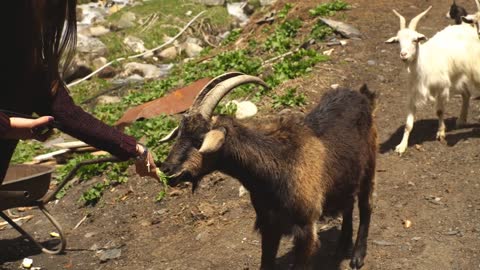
[400,149]
[441,137]
[356,263]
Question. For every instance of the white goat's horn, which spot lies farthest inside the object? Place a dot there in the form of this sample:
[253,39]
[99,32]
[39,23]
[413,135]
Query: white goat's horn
[170,136]
[403,22]
[478,4]
[413,23]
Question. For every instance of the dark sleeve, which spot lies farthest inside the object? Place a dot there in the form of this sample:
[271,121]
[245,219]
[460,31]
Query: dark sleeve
[83,126]
[4,124]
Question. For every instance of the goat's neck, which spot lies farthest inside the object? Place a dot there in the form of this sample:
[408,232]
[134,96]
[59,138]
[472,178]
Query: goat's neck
[256,159]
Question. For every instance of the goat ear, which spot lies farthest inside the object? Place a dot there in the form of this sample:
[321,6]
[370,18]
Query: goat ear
[392,40]
[214,139]
[468,18]
[421,37]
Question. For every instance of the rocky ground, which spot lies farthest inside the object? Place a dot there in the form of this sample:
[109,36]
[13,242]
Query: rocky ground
[434,186]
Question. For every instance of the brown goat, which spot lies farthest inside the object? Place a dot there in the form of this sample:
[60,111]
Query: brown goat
[297,168]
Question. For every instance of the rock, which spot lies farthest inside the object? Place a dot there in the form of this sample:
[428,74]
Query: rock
[191,49]
[328,52]
[211,2]
[108,99]
[169,53]
[91,45]
[79,14]
[175,193]
[107,73]
[99,30]
[126,21]
[200,236]
[78,69]
[371,62]
[343,29]
[109,254]
[242,191]
[91,13]
[245,109]
[94,247]
[383,243]
[267,2]
[27,263]
[194,40]
[89,234]
[135,78]
[147,71]
[161,211]
[237,11]
[99,62]
[135,44]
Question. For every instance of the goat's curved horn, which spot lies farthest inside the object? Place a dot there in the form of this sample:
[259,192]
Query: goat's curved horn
[413,23]
[170,136]
[211,84]
[478,4]
[403,22]
[213,97]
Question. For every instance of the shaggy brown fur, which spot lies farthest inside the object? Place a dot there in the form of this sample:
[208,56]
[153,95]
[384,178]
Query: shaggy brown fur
[297,169]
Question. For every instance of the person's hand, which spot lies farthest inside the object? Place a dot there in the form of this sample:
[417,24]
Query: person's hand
[145,165]
[25,128]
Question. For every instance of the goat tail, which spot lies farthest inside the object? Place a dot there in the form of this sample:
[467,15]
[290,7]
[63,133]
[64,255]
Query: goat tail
[372,96]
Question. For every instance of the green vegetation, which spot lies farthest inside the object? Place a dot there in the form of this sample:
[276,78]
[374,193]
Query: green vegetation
[232,37]
[26,151]
[164,180]
[290,99]
[329,9]
[282,37]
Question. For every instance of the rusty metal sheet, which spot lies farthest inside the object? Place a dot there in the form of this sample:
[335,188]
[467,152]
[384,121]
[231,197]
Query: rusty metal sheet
[176,102]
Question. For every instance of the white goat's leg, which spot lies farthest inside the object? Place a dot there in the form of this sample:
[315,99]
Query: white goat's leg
[408,128]
[441,123]
[462,119]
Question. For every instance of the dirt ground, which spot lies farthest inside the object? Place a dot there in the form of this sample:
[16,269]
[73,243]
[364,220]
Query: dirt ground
[435,186]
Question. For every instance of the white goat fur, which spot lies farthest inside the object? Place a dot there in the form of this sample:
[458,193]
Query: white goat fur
[448,62]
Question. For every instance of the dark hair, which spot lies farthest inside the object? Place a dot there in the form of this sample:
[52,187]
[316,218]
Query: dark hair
[54,33]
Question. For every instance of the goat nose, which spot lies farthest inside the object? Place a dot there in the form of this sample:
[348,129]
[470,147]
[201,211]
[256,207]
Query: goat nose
[403,54]
[165,169]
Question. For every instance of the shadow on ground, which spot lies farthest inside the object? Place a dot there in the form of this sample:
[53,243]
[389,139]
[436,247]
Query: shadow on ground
[425,130]
[324,259]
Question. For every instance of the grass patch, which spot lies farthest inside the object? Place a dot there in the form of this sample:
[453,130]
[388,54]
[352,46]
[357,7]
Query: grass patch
[26,151]
[329,9]
[290,99]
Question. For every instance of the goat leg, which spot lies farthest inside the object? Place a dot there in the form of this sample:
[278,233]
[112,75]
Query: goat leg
[270,242]
[305,245]
[408,128]
[462,119]
[345,242]
[441,122]
[365,210]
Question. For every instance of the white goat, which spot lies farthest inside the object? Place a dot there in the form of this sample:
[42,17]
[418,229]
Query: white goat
[449,61]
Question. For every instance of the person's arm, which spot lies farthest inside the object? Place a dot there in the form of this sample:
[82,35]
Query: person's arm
[83,126]
[76,122]
[18,128]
